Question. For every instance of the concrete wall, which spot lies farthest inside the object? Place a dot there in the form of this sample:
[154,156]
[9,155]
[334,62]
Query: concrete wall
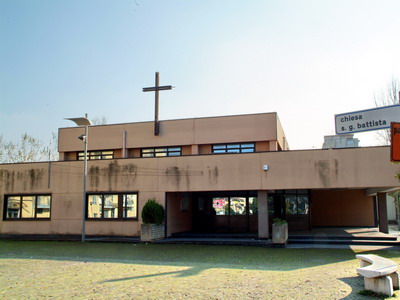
[333,168]
[229,129]
[153,177]
[342,208]
[281,137]
[178,220]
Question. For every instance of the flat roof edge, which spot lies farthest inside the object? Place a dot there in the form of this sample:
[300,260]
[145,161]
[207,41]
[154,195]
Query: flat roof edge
[183,119]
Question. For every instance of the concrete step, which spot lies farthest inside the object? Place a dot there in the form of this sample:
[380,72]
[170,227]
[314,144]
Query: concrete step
[370,242]
[215,241]
[215,235]
[350,237]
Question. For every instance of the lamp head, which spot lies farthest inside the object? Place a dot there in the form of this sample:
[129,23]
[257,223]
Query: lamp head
[82,137]
[80,121]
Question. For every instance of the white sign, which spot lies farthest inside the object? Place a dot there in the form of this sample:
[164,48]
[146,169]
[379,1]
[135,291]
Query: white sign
[367,120]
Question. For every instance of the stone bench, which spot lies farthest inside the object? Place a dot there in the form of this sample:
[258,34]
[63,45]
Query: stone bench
[380,274]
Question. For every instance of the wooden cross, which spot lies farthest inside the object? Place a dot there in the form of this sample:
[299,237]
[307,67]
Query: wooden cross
[155,89]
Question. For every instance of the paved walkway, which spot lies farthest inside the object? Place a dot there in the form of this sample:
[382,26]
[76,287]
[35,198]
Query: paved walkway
[352,247]
[394,230]
[327,237]
[346,232]
[364,232]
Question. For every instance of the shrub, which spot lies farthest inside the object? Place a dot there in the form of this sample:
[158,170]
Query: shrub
[153,212]
[278,221]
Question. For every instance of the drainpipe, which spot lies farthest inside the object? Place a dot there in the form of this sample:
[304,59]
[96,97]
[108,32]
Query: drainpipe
[124,145]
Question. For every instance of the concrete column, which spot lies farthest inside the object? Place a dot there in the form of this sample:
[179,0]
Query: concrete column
[195,150]
[382,213]
[383,284]
[263,222]
[273,146]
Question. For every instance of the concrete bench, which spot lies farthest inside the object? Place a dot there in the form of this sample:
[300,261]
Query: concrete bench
[380,274]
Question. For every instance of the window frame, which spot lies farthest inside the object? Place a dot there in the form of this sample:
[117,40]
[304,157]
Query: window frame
[227,208]
[233,148]
[92,155]
[21,196]
[122,209]
[297,197]
[297,194]
[153,151]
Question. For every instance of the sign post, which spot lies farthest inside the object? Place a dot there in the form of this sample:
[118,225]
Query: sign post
[395,141]
[367,120]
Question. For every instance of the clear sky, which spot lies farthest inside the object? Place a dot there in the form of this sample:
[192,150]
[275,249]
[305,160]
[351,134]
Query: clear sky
[305,60]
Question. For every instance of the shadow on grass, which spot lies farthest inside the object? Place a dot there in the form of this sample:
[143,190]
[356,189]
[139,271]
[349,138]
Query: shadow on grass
[191,271]
[356,284]
[196,257]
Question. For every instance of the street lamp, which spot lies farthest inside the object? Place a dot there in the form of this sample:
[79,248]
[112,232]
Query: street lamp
[84,137]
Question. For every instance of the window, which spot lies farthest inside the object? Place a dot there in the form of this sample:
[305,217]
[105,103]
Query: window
[238,206]
[185,200]
[235,206]
[297,202]
[26,207]
[233,148]
[253,206]
[291,204]
[160,152]
[112,206]
[283,203]
[91,155]
[220,206]
[130,205]
[271,205]
[302,204]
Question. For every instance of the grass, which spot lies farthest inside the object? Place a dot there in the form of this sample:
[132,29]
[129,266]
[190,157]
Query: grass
[64,270]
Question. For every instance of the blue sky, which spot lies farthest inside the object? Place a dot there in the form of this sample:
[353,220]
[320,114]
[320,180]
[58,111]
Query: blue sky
[306,60]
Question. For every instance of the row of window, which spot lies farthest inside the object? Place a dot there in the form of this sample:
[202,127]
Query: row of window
[159,152]
[112,206]
[235,206]
[292,202]
[125,205]
[233,148]
[96,155]
[28,207]
[171,151]
[99,206]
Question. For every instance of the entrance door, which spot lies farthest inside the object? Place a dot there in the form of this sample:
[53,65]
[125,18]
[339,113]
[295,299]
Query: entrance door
[225,212]
[291,205]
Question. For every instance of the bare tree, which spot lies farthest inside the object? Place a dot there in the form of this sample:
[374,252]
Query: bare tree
[2,154]
[386,97]
[99,120]
[52,150]
[28,149]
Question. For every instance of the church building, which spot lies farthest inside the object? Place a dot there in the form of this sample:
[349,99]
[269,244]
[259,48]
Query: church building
[228,174]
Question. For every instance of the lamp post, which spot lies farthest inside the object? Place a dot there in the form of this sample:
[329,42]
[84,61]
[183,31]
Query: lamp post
[84,137]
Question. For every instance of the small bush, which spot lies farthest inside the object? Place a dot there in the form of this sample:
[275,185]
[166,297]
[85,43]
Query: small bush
[278,221]
[153,212]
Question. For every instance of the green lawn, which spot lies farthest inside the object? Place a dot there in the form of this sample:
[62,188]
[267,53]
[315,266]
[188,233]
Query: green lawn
[65,270]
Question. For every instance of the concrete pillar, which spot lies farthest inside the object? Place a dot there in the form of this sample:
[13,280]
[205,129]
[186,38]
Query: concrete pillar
[263,222]
[195,150]
[382,213]
[382,285]
[395,280]
[273,146]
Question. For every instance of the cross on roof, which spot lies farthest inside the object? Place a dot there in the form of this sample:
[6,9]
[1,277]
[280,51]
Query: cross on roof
[155,89]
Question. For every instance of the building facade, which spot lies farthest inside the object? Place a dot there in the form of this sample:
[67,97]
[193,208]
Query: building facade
[230,174]
[340,141]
